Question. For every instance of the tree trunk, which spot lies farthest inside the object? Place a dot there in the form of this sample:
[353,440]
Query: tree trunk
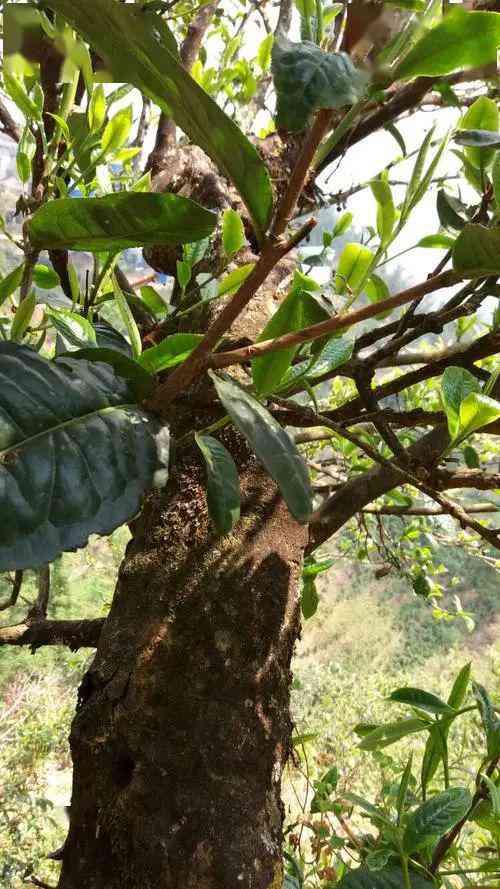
[183,725]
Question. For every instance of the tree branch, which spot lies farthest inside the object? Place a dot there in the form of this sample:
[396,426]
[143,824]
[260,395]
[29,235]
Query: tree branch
[9,126]
[16,589]
[73,633]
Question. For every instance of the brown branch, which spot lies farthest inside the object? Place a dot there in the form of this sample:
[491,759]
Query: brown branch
[73,633]
[38,612]
[199,359]
[428,510]
[299,174]
[468,478]
[9,126]
[339,322]
[16,589]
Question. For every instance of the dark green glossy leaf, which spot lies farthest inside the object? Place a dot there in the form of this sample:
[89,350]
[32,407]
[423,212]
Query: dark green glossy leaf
[449,211]
[223,484]
[307,79]
[404,785]
[482,119]
[368,807]
[76,455]
[478,138]
[118,221]
[75,330]
[388,734]
[171,351]
[336,353]
[109,338]
[424,700]
[435,817]
[140,381]
[148,59]
[387,878]
[461,40]
[271,444]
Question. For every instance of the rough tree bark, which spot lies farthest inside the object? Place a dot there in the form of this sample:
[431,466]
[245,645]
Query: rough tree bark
[183,725]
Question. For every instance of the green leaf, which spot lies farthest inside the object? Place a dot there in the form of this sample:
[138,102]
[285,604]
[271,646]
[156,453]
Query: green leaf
[367,806]
[489,719]
[171,351]
[354,264]
[271,444]
[307,79]
[140,381]
[223,484]
[377,289]
[74,329]
[97,109]
[477,138]
[45,277]
[298,310]
[391,732]
[22,318]
[449,209]
[435,817]
[118,221]
[342,224]
[76,463]
[233,233]
[264,52]
[234,279]
[461,40]
[495,178]
[386,211]
[153,300]
[11,282]
[477,251]
[476,411]
[309,599]
[127,318]
[312,568]
[403,788]
[148,59]
[17,92]
[456,384]
[424,700]
[109,338]
[442,242]
[183,269]
[336,353]
[482,117]
[117,130]
[387,878]
[434,746]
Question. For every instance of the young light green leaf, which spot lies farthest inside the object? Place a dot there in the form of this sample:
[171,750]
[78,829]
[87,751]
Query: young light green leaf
[117,130]
[153,300]
[309,599]
[435,817]
[342,224]
[127,318]
[388,734]
[483,117]
[377,289]
[264,52]
[183,273]
[386,211]
[456,384]
[434,746]
[312,568]
[150,61]
[424,700]
[307,79]
[231,282]
[441,242]
[97,109]
[354,264]
[461,40]
[173,350]
[298,310]
[15,88]
[233,233]
[11,282]
[476,410]
[22,318]
[223,484]
[45,277]
[271,444]
[118,221]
